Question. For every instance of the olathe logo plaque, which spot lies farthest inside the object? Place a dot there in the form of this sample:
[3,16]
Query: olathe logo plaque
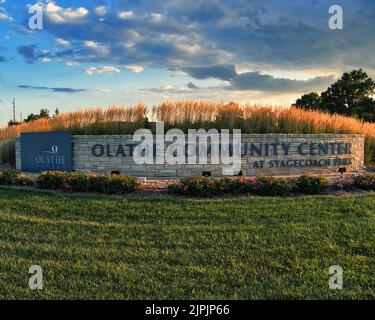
[46,151]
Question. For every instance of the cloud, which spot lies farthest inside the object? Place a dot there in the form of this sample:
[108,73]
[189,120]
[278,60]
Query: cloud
[170,34]
[207,38]
[92,45]
[64,53]
[72,63]
[31,54]
[222,72]
[101,10]
[60,15]
[101,70]
[135,69]
[103,90]
[58,90]
[4,16]
[192,86]
[63,42]
[46,60]
[256,81]
[28,52]
[168,89]
[125,15]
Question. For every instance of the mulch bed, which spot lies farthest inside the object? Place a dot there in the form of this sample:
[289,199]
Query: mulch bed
[155,186]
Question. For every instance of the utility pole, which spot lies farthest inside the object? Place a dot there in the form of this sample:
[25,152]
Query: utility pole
[14,110]
[21,118]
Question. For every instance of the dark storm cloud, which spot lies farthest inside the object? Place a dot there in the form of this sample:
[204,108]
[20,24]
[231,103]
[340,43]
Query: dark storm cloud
[262,82]
[222,72]
[255,81]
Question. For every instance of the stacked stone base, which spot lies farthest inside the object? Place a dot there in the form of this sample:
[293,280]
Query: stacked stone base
[84,160]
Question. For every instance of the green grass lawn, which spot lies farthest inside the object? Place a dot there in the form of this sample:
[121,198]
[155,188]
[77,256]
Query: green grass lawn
[252,248]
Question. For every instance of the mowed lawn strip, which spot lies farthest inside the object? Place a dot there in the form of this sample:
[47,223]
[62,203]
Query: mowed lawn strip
[250,248]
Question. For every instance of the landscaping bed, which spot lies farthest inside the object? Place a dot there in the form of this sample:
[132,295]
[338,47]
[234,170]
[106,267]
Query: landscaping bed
[193,186]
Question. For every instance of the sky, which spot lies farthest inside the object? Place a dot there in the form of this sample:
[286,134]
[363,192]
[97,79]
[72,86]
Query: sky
[121,52]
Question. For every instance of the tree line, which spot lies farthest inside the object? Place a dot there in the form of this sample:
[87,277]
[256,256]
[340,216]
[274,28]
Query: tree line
[43,114]
[352,96]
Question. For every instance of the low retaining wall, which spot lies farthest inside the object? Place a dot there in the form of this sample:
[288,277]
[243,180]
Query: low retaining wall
[262,154]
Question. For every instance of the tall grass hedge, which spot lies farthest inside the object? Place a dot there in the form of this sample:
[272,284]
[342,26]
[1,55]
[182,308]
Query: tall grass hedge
[189,114]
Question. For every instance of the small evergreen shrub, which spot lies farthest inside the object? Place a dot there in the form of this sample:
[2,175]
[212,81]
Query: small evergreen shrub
[97,182]
[23,180]
[52,180]
[271,186]
[120,184]
[202,186]
[308,184]
[7,176]
[342,185]
[365,181]
[174,188]
[77,182]
[84,182]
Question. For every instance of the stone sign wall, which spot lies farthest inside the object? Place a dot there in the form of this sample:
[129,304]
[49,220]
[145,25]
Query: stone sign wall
[262,154]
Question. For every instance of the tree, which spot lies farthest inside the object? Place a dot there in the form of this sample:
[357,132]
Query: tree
[309,101]
[352,95]
[31,117]
[13,123]
[43,114]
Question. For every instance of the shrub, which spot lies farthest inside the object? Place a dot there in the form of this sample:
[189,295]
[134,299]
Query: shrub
[52,180]
[271,186]
[96,182]
[120,184]
[174,188]
[312,184]
[7,176]
[24,180]
[342,184]
[8,151]
[245,185]
[78,182]
[201,186]
[365,181]
[84,182]
[197,186]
